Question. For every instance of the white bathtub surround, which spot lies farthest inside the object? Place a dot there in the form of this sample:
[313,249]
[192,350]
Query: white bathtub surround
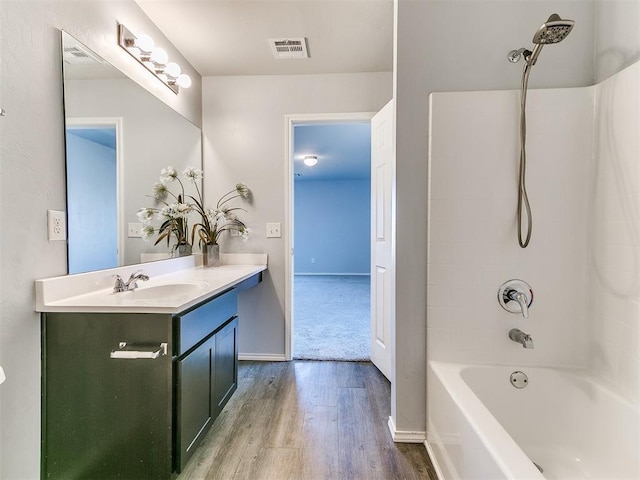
[564,420]
[181,282]
[613,262]
[473,247]
[583,265]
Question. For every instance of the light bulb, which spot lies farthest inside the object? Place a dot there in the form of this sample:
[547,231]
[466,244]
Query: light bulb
[310,160]
[173,69]
[159,55]
[184,81]
[144,42]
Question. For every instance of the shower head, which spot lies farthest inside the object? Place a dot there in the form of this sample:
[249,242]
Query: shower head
[554,30]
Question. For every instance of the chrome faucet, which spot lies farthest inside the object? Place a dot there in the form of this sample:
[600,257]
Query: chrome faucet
[523,338]
[131,284]
[516,296]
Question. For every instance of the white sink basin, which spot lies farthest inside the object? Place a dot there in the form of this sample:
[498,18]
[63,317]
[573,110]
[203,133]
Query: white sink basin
[164,291]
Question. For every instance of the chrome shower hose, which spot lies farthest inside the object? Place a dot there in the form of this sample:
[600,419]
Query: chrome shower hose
[523,199]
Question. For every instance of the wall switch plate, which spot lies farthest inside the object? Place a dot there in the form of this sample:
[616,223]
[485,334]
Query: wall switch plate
[56,225]
[273,230]
[135,230]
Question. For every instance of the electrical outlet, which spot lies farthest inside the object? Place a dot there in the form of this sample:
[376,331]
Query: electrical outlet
[56,225]
[135,230]
[273,230]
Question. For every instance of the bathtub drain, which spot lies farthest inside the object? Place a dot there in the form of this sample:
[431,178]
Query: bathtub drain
[519,379]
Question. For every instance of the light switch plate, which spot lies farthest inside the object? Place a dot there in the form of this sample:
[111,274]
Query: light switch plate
[56,225]
[273,230]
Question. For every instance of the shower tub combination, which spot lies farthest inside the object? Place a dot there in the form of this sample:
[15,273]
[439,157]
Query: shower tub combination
[501,422]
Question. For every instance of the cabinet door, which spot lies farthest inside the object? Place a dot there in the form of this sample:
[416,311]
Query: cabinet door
[105,418]
[194,400]
[225,365]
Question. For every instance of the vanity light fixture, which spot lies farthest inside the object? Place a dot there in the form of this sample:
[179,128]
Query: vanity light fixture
[310,160]
[155,59]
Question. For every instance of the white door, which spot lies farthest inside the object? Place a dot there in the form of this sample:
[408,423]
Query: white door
[382,267]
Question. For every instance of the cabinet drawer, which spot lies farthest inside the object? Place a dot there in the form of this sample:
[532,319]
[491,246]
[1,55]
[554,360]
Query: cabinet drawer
[192,327]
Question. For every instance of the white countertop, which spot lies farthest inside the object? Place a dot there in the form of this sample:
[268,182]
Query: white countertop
[174,285]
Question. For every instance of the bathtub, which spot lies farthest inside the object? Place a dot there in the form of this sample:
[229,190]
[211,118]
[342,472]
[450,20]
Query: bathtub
[481,427]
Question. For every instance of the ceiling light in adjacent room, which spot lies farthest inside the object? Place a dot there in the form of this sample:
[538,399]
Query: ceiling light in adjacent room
[310,160]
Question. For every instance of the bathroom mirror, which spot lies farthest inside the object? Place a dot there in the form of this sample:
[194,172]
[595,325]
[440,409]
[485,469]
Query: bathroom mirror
[118,138]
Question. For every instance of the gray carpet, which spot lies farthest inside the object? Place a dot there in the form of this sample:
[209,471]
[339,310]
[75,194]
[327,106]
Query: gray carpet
[331,317]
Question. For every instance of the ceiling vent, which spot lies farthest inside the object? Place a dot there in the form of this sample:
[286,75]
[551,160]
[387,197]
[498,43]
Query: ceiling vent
[77,55]
[289,47]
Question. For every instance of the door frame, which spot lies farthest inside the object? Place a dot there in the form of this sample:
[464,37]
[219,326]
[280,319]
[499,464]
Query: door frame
[116,122]
[291,121]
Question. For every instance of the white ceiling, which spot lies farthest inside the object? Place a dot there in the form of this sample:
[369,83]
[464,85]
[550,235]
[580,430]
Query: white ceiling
[230,37]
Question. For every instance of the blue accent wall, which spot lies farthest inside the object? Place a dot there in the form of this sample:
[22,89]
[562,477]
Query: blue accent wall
[92,205]
[332,226]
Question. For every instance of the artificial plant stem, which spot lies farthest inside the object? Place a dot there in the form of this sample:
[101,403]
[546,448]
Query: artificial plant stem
[220,202]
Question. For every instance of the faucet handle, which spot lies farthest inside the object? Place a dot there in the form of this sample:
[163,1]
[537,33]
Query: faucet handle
[516,296]
[119,284]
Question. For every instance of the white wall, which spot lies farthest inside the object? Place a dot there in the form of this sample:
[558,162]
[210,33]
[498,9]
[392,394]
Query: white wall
[617,35]
[244,132]
[614,234]
[473,246]
[450,45]
[32,151]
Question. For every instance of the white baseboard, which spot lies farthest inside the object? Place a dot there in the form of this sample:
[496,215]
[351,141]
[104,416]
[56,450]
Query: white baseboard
[432,457]
[405,436]
[263,357]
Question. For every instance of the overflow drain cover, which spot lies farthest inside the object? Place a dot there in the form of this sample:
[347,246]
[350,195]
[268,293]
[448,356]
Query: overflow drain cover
[519,379]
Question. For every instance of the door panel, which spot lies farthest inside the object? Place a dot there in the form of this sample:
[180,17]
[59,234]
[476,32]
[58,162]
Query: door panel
[382,280]
[194,403]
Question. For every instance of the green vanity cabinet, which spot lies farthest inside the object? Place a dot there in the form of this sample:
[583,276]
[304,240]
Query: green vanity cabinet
[206,370]
[97,410]
[225,366]
[135,411]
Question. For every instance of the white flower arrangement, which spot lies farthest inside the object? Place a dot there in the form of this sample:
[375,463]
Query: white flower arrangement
[177,208]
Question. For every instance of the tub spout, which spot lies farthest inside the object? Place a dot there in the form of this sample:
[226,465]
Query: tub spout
[522,338]
[522,300]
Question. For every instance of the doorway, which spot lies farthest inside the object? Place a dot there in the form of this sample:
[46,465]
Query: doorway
[331,230]
[93,189]
[328,280]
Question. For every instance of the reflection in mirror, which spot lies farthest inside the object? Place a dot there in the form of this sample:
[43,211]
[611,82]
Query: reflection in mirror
[118,138]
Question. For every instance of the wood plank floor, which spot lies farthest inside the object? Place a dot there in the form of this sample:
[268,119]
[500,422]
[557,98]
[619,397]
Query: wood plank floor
[307,420]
